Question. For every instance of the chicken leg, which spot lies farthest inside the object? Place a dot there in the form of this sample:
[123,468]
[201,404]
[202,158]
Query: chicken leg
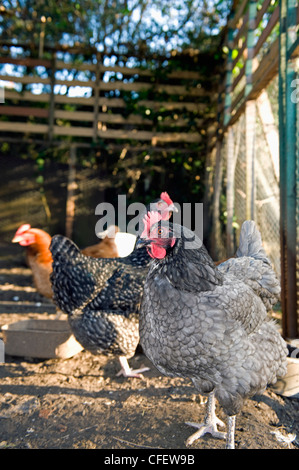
[126,370]
[230,439]
[209,425]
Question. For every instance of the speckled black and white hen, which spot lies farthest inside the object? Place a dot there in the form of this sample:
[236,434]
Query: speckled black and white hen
[102,296]
[207,325]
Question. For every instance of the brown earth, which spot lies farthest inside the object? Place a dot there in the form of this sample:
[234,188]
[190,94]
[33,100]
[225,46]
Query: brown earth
[80,403]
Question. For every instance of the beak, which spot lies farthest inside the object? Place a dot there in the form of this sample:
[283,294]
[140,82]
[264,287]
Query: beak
[172,208]
[16,239]
[142,242]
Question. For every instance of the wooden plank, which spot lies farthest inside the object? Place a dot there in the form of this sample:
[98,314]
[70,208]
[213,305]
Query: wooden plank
[264,7]
[27,61]
[110,86]
[267,69]
[240,53]
[64,99]
[73,83]
[73,115]
[237,100]
[157,105]
[61,65]
[25,79]
[27,96]
[108,134]
[242,31]
[179,74]
[294,49]
[238,14]
[109,102]
[23,127]
[148,135]
[267,31]
[73,131]
[23,111]
[119,103]
[119,119]
[238,78]
[127,71]
[169,89]
[250,46]
[228,79]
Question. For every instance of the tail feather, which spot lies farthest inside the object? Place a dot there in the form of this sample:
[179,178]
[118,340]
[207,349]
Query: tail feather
[252,265]
[250,243]
[62,247]
[73,277]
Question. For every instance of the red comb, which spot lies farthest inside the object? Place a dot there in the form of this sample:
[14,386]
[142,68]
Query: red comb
[148,220]
[23,228]
[166,198]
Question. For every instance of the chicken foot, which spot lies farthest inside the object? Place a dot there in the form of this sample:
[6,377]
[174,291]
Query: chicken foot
[209,425]
[126,370]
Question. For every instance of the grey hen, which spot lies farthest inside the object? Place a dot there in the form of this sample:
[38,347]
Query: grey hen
[102,296]
[206,325]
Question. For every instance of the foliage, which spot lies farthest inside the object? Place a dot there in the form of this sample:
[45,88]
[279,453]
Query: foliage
[115,25]
[151,35]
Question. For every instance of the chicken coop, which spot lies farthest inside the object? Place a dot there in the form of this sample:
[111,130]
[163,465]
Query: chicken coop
[223,132]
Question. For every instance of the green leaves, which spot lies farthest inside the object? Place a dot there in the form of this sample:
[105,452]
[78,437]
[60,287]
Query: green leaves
[114,24]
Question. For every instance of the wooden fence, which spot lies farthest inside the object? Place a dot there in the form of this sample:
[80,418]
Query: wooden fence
[100,107]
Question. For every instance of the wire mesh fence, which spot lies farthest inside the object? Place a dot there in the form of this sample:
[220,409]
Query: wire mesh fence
[255,179]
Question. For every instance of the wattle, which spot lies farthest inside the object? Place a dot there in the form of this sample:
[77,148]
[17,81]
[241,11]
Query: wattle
[156,251]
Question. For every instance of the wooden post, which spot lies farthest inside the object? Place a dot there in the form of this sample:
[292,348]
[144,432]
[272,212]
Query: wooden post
[71,197]
[96,99]
[250,46]
[287,150]
[216,201]
[229,77]
[230,175]
[52,99]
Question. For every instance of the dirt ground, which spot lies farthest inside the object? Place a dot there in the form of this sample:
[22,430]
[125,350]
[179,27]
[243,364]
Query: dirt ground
[80,403]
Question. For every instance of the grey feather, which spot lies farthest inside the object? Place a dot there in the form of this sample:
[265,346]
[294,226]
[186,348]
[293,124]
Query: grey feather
[253,266]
